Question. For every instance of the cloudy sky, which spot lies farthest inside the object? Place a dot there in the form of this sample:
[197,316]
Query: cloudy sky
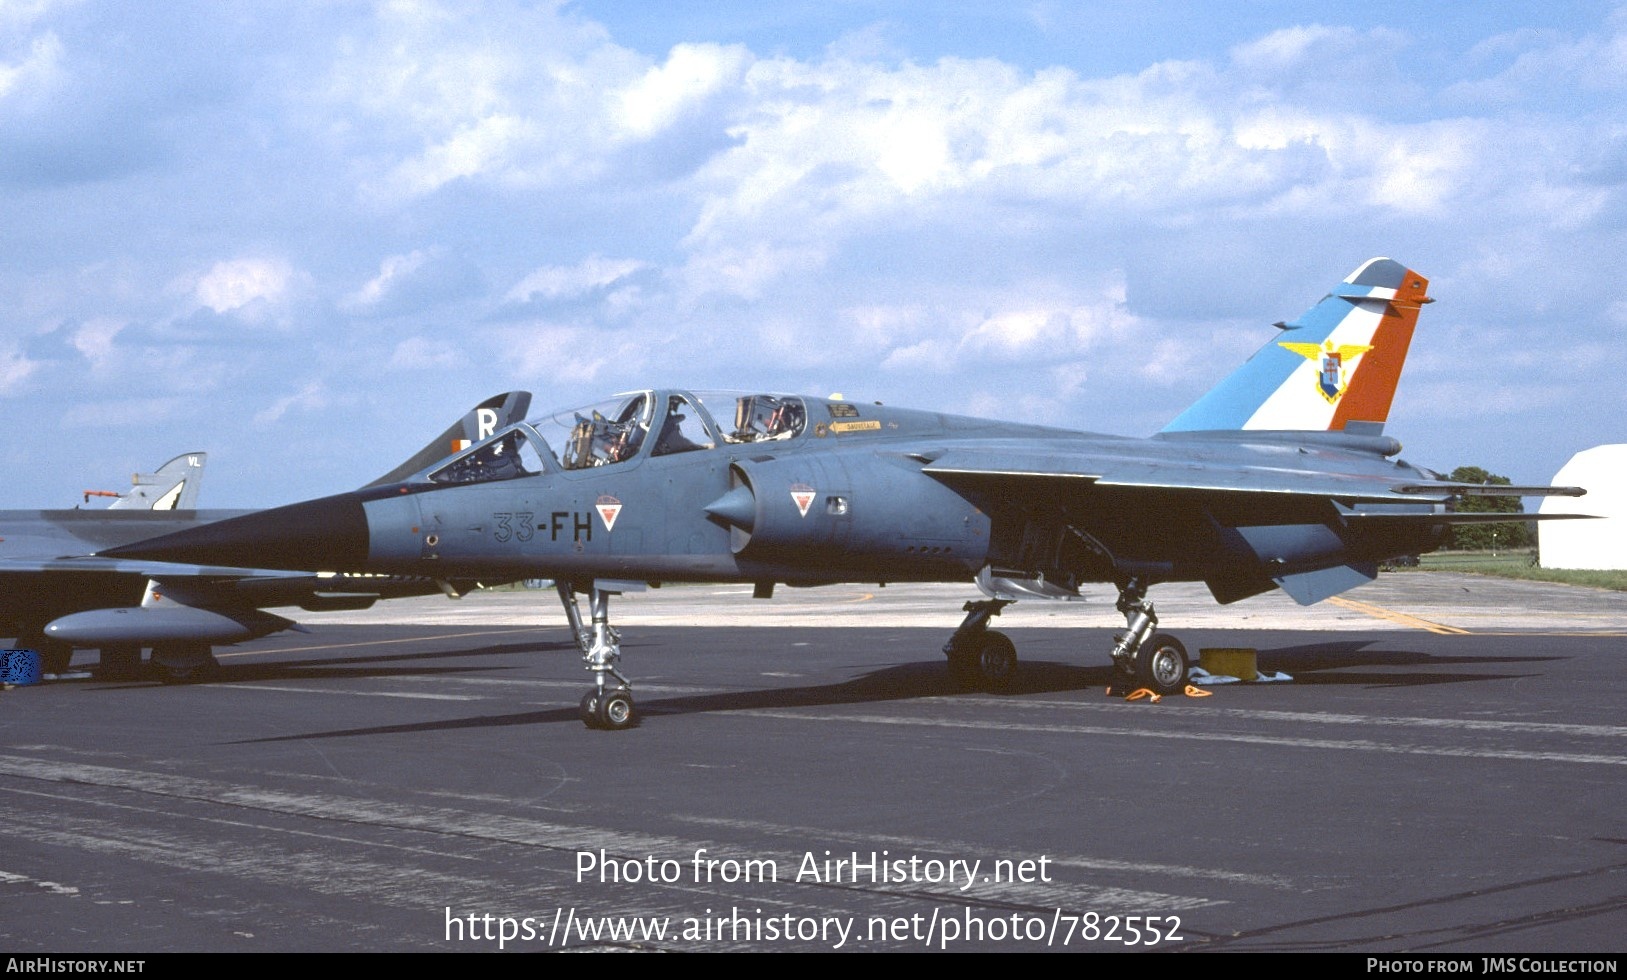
[304,237]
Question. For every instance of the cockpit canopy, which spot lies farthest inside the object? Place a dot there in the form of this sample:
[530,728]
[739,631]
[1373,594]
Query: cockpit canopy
[619,429]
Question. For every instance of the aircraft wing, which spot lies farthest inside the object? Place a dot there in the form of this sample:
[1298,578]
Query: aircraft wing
[1170,474]
[1251,516]
[1486,490]
[1193,470]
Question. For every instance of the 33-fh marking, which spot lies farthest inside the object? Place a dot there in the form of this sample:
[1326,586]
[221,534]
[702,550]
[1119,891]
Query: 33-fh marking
[520,526]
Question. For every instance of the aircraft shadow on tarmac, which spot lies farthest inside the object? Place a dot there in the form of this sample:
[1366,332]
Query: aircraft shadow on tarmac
[1313,664]
[347,668]
[1341,663]
[901,682]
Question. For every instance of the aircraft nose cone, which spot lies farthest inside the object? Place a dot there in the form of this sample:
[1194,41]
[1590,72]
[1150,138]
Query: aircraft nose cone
[327,534]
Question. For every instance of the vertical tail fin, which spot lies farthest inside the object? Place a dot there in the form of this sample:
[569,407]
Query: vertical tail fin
[1334,367]
[174,487]
[479,422]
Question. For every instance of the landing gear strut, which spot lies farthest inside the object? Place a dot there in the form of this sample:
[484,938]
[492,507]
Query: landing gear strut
[1142,657]
[605,706]
[120,662]
[183,663]
[979,656]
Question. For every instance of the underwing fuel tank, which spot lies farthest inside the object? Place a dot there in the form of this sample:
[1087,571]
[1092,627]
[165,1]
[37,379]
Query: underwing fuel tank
[880,506]
[149,624]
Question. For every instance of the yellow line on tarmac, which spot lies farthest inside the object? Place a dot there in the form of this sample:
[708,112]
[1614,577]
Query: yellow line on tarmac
[1599,633]
[1379,612]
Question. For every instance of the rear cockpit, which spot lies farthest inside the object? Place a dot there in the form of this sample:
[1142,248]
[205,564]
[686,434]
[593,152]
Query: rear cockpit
[767,418]
[512,453]
[618,431]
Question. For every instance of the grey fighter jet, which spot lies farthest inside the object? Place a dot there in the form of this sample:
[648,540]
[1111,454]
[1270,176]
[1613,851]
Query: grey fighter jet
[55,596]
[1280,477]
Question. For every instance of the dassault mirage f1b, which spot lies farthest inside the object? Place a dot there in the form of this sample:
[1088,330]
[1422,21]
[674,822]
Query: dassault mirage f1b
[1280,477]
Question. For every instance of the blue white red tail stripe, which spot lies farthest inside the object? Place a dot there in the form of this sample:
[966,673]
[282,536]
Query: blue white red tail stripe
[1338,363]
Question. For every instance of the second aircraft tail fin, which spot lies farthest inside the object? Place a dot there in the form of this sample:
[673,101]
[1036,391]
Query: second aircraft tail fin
[174,487]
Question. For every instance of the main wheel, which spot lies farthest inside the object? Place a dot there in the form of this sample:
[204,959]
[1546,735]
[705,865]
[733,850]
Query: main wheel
[1161,664]
[120,662]
[987,662]
[588,710]
[183,663]
[616,711]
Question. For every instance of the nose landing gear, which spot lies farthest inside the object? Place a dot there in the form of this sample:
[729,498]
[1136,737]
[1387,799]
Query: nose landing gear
[608,705]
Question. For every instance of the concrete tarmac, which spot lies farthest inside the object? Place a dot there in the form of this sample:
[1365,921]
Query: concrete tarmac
[1445,772]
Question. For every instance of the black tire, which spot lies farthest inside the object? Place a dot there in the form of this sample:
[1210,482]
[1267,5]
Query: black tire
[986,663]
[184,663]
[1161,665]
[616,711]
[190,674]
[588,710]
[120,662]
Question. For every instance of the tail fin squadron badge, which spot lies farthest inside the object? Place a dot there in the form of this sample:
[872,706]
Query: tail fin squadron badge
[1336,365]
[803,496]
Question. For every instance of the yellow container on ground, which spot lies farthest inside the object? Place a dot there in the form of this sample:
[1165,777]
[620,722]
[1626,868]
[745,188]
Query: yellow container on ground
[1238,662]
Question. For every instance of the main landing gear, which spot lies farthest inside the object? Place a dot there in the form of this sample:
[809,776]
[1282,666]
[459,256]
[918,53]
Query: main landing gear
[182,663]
[1142,657]
[605,706]
[978,656]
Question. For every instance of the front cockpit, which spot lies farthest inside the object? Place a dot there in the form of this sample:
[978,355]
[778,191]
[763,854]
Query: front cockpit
[626,429]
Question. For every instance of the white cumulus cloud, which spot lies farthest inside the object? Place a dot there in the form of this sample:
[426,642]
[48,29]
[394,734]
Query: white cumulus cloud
[235,283]
[691,73]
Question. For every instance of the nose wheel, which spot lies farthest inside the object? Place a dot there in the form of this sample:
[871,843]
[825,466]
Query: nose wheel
[611,712]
